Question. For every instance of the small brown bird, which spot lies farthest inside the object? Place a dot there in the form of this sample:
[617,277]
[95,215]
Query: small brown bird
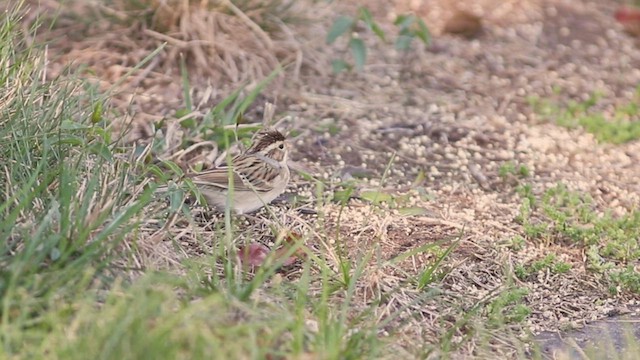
[258,175]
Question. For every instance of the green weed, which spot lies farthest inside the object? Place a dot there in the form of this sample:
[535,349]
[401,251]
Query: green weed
[347,26]
[509,168]
[68,202]
[549,262]
[517,243]
[568,217]
[410,27]
[622,128]
[508,308]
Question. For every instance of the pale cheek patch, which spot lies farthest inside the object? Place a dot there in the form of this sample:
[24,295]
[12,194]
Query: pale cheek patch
[276,154]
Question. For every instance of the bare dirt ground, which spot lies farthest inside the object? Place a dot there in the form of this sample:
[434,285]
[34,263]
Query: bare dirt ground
[454,111]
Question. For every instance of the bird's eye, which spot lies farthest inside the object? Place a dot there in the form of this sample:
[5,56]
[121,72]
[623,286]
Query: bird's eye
[281,146]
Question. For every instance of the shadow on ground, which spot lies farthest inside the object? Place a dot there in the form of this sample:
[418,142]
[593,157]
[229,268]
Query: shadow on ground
[602,339]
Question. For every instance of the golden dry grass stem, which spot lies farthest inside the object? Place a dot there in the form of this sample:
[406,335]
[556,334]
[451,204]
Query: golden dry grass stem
[252,25]
[269,111]
[219,45]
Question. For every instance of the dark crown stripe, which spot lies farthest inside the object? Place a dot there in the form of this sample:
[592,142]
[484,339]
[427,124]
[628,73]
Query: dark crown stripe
[266,138]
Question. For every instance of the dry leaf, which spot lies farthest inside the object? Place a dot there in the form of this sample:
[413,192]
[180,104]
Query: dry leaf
[463,23]
[255,254]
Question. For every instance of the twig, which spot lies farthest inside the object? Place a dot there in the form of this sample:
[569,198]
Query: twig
[477,174]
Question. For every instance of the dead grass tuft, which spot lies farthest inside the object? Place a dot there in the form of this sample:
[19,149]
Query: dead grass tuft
[219,39]
[224,41]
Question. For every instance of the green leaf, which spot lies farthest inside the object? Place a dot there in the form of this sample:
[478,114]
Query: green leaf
[403,21]
[176,199]
[198,167]
[359,52]
[173,167]
[55,254]
[414,251]
[423,32]
[420,178]
[342,196]
[101,150]
[71,140]
[72,125]
[193,189]
[188,123]
[376,197]
[339,66]
[103,134]
[412,211]
[365,15]
[218,110]
[339,27]
[428,275]
[253,94]
[155,170]
[182,113]
[378,31]
[403,42]
[399,19]
[160,123]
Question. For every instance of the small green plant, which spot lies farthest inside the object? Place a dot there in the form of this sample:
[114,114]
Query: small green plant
[509,168]
[544,263]
[409,26]
[348,26]
[383,199]
[526,191]
[431,273]
[517,243]
[521,271]
[627,278]
[331,126]
[507,308]
[622,128]
[549,262]
[561,267]
[564,216]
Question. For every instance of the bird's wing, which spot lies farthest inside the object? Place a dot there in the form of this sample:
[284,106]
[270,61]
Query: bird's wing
[259,173]
[246,176]
[218,177]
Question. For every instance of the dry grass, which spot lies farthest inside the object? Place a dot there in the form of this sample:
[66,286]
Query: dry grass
[218,39]
[223,46]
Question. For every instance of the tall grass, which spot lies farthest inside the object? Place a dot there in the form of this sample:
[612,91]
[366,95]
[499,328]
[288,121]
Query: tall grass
[71,196]
[67,200]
